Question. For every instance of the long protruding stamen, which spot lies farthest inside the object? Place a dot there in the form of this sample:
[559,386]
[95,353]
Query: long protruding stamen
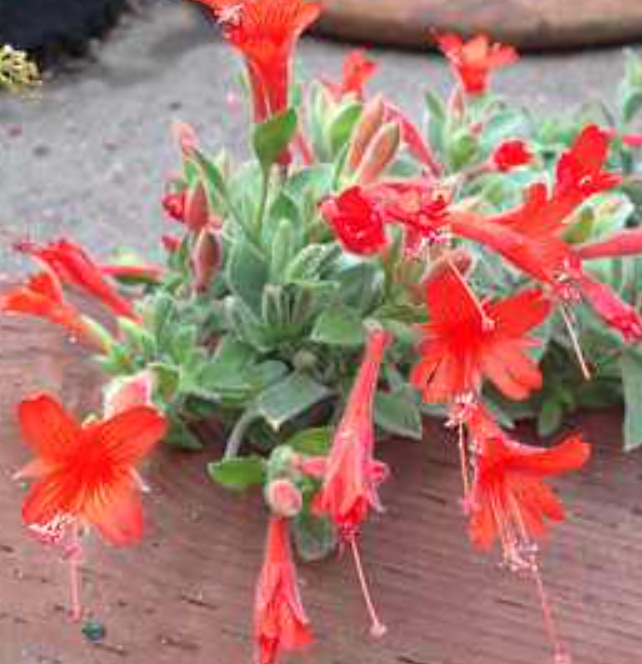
[561,654]
[74,572]
[463,459]
[576,344]
[377,628]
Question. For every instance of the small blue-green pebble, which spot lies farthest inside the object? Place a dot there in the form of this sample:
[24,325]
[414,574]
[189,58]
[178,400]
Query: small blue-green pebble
[93,631]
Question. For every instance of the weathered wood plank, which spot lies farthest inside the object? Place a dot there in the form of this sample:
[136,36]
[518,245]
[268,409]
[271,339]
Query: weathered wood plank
[525,23]
[185,595]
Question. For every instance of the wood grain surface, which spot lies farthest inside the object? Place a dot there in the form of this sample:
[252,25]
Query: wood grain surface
[184,596]
[531,24]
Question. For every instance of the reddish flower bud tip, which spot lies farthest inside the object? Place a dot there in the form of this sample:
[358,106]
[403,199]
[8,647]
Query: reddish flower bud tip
[125,393]
[511,154]
[196,208]
[186,138]
[380,153]
[284,498]
[174,205]
[171,243]
[473,61]
[205,258]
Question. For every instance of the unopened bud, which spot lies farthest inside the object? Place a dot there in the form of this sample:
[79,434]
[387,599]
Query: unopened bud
[171,243]
[185,136]
[370,122]
[380,153]
[174,205]
[283,498]
[124,393]
[206,258]
[196,208]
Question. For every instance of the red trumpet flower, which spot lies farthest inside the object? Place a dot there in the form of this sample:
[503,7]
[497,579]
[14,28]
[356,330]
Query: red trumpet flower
[42,296]
[349,488]
[357,70]
[510,501]
[466,341]
[73,266]
[473,61]
[266,33]
[85,472]
[85,476]
[280,622]
[357,221]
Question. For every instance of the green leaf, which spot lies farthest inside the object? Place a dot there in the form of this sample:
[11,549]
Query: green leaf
[289,398]
[238,474]
[179,435]
[273,136]
[631,104]
[550,417]
[184,343]
[315,538]
[398,414]
[247,274]
[167,379]
[214,181]
[506,124]
[342,126]
[283,249]
[339,326]
[313,442]
[631,366]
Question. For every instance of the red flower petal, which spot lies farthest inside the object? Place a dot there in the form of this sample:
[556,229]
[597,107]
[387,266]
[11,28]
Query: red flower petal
[116,511]
[129,436]
[48,428]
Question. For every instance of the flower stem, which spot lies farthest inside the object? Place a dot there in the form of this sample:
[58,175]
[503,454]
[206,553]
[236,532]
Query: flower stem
[265,188]
[235,440]
[74,573]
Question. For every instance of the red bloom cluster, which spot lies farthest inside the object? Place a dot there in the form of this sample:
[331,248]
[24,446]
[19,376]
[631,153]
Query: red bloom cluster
[64,263]
[85,474]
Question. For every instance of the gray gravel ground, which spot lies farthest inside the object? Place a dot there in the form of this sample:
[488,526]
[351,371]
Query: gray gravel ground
[89,154]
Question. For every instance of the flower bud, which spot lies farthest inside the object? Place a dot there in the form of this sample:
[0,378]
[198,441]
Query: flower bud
[196,208]
[206,257]
[171,243]
[174,205]
[367,127]
[283,498]
[185,136]
[124,393]
[380,153]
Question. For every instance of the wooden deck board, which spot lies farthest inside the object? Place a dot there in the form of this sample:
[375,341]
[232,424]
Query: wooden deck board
[185,595]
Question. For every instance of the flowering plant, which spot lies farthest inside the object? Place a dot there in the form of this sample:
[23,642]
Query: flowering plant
[473,271]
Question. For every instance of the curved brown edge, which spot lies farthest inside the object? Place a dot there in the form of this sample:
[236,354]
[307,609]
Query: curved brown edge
[527,24]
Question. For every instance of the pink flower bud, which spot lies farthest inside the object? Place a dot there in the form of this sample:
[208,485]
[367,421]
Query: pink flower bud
[125,393]
[171,243]
[196,208]
[206,257]
[174,205]
[380,153]
[185,136]
[370,122]
[284,498]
